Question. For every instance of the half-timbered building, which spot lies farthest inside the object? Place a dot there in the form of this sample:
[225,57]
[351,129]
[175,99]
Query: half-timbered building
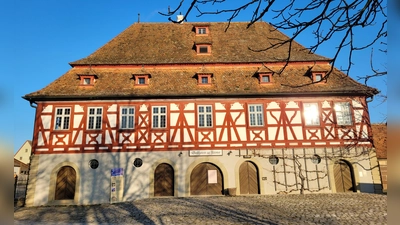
[193,109]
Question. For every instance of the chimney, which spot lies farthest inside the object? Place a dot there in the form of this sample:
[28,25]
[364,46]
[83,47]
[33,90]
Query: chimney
[179,18]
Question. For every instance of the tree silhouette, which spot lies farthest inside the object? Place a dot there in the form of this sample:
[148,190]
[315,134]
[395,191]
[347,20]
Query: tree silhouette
[325,21]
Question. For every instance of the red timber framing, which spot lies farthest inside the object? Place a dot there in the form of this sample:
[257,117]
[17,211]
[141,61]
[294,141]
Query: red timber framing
[283,126]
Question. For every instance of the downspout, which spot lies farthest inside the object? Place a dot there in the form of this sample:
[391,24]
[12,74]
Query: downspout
[368,101]
[33,106]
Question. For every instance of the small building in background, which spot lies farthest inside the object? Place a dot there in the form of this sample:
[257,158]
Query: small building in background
[379,132]
[22,158]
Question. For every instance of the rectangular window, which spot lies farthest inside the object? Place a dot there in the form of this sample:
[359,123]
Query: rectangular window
[159,116]
[318,77]
[204,80]
[95,118]
[343,113]
[201,30]
[203,49]
[127,118]
[142,80]
[86,81]
[311,113]
[256,115]
[265,79]
[62,118]
[205,116]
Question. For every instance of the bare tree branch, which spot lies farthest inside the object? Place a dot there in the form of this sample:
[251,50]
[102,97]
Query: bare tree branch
[327,20]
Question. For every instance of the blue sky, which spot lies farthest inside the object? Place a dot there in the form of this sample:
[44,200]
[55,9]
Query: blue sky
[42,37]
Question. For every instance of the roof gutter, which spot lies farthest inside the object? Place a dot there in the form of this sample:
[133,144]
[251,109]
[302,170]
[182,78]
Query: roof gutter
[125,97]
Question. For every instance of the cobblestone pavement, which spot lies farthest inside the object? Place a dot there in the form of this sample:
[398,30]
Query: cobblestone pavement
[351,208]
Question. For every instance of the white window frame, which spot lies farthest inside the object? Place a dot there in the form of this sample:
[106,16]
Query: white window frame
[256,115]
[205,118]
[201,30]
[311,114]
[343,113]
[159,116]
[62,118]
[95,119]
[127,117]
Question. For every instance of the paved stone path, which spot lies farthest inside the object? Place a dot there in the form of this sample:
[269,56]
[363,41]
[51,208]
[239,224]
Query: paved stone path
[351,208]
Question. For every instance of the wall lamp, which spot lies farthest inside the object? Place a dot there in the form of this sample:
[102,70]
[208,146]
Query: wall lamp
[180,153]
[230,152]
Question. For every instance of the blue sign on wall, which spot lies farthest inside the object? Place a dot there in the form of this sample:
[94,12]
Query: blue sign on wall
[117,172]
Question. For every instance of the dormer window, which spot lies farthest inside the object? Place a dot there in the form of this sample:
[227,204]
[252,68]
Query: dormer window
[87,80]
[203,49]
[318,76]
[265,78]
[204,79]
[202,31]
[141,79]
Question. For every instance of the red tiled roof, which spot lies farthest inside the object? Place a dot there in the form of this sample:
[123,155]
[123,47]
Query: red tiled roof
[165,43]
[166,52]
[379,132]
[167,82]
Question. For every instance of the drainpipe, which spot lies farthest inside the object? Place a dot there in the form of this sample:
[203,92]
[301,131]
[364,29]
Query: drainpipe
[33,106]
[368,101]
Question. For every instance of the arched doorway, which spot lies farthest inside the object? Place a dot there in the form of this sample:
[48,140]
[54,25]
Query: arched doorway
[248,178]
[65,184]
[206,179]
[344,176]
[164,180]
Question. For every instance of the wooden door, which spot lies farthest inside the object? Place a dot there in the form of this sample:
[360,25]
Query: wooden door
[206,179]
[164,180]
[248,178]
[65,184]
[343,177]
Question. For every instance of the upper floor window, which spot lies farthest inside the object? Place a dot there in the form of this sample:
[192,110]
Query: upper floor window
[256,115]
[265,78]
[318,76]
[127,118]
[343,113]
[87,80]
[205,116]
[203,49]
[201,30]
[159,116]
[62,118]
[95,118]
[142,80]
[311,113]
[204,79]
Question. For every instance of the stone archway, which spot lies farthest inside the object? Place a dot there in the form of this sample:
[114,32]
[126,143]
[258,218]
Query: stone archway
[248,178]
[206,179]
[65,184]
[164,180]
[344,176]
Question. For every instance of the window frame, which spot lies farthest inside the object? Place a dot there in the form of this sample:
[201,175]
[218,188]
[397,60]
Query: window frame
[256,114]
[315,74]
[204,115]
[63,117]
[159,116]
[200,79]
[198,33]
[95,117]
[262,75]
[128,115]
[142,76]
[84,78]
[199,46]
[306,113]
[348,114]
